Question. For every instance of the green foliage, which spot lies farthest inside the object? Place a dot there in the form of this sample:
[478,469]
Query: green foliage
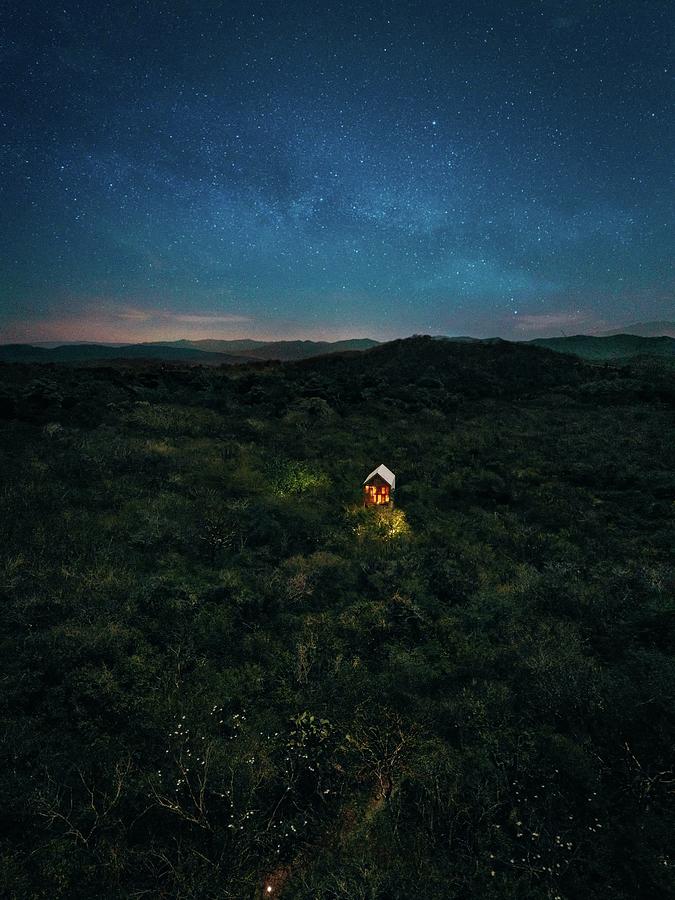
[221,673]
[293,478]
[379,525]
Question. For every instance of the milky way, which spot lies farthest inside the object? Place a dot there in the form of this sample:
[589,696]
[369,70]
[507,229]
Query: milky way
[282,169]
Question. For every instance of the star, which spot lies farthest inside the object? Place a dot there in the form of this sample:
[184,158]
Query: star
[254,166]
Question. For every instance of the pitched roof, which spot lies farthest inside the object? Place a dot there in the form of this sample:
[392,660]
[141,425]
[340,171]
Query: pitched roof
[385,473]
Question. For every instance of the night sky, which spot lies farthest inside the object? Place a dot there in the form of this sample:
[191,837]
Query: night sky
[293,169]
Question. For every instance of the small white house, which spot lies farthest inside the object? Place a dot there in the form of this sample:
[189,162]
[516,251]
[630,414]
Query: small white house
[379,487]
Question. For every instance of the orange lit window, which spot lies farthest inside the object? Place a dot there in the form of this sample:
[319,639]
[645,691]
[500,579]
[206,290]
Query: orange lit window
[377,494]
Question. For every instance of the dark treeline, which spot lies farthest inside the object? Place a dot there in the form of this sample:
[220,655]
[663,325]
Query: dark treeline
[222,677]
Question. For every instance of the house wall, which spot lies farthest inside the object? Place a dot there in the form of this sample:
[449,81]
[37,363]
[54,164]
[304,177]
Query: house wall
[377,492]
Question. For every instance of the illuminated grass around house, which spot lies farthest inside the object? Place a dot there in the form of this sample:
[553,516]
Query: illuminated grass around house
[381,523]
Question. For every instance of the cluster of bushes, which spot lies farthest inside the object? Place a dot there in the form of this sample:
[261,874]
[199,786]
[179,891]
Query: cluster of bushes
[221,675]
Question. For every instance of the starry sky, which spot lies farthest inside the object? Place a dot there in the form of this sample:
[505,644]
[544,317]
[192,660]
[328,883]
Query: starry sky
[283,168]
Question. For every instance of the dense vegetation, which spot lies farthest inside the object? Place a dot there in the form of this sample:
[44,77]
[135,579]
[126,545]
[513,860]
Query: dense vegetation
[221,675]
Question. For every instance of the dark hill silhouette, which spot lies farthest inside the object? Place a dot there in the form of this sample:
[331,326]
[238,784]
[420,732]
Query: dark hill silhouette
[616,346]
[86,353]
[643,329]
[289,350]
[485,368]
[213,345]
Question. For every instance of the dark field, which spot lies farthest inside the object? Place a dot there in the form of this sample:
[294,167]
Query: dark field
[220,674]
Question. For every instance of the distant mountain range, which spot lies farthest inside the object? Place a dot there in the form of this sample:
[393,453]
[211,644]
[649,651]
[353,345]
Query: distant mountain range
[613,345]
[87,353]
[644,329]
[616,346]
[206,352]
[283,350]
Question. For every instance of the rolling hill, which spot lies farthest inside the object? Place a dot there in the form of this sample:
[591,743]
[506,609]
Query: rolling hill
[644,329]
[206,352]
[618,346]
